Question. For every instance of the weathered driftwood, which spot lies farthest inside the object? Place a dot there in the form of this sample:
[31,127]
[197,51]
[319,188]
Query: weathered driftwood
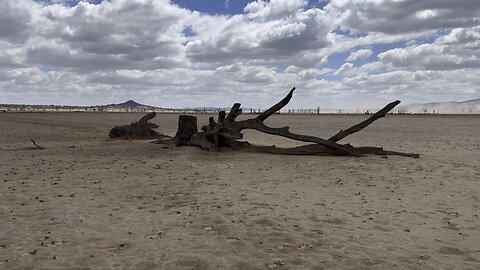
[188,134]
[142,129]
[226,132]
[318,150]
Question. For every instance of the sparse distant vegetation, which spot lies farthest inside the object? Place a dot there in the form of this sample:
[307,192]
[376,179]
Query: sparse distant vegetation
[465,107]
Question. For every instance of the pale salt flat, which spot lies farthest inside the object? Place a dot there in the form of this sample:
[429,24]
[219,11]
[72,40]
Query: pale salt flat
[88,202]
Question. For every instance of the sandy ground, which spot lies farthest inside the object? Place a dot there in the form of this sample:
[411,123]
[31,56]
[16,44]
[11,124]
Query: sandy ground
[87,202]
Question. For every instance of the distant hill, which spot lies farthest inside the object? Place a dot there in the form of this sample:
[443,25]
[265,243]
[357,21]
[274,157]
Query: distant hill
[449,107]
[130,104]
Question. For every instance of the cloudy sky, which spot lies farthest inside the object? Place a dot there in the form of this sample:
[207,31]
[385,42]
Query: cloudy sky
[181,53]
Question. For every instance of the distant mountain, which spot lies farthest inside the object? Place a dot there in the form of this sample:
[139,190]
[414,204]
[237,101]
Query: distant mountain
[130,104]
[449,107]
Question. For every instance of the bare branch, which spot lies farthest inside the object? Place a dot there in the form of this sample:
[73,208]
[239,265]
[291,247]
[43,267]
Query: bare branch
[380,151]
[318,150]
[147,117]
[282,103]
[356,128]
[235,111]
[257,124]
[284,132]
[38,146]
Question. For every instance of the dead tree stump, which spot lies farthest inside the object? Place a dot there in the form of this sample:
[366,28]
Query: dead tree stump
[187,126]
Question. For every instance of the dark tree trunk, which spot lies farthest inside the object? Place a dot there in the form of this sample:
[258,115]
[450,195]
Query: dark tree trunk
[187,126]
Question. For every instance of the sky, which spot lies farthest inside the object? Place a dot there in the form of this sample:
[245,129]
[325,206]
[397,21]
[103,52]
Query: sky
[185,53]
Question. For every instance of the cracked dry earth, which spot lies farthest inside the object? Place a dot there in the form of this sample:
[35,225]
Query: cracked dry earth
[87,202]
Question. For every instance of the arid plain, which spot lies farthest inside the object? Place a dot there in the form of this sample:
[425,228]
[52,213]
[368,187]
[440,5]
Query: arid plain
[88,202]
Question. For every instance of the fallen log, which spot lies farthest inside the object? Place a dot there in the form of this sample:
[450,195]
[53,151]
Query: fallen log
[235,127]
[140,130]
[227,133]
[318,150]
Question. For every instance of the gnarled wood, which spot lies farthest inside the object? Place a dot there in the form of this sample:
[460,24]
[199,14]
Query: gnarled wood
[319,150]
[227,132]
[142,129]
[211,134]
[187,126]
[284,132]
[147,117]
[200,139]
[257,124]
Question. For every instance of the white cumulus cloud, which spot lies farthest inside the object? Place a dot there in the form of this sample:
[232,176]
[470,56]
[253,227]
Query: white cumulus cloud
[359,54]
[159,53]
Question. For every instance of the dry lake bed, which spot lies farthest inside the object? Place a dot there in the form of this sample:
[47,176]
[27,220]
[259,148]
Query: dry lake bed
[88,202]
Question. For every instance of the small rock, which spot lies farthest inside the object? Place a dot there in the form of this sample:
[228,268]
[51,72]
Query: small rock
[154,235]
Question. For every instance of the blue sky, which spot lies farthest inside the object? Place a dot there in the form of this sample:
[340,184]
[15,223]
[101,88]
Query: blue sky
[227,7]
[214,6]
[183,53]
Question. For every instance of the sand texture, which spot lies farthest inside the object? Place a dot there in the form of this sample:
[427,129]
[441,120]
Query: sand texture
[88,202]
